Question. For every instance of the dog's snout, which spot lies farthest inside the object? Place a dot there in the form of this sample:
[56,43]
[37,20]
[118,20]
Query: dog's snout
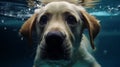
[54,38]
[54,48]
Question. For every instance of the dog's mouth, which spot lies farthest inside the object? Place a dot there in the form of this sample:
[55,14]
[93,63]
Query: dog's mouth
[55,47]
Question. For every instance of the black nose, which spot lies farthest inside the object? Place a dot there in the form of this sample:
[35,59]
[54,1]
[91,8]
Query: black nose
[55,38]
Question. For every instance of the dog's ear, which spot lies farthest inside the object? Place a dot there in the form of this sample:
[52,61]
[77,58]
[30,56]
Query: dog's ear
[93,26]
[27,27]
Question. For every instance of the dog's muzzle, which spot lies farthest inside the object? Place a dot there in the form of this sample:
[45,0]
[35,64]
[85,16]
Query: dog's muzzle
[56,47]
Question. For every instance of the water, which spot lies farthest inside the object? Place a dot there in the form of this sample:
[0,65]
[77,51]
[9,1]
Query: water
[14,50]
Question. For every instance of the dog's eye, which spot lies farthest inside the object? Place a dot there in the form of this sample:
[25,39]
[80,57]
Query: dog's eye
[71,20]
[43,20]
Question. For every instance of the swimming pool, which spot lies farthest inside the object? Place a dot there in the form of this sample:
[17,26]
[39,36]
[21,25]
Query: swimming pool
[14,50]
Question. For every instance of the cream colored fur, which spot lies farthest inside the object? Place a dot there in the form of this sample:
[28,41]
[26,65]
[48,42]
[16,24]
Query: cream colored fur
[81,57]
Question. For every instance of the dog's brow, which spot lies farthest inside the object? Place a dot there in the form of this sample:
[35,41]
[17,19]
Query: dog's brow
[47,13]
[72,13]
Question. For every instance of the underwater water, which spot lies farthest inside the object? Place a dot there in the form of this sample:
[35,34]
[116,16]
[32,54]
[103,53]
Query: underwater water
[15,51]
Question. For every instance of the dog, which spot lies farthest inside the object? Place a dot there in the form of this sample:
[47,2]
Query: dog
[59,25]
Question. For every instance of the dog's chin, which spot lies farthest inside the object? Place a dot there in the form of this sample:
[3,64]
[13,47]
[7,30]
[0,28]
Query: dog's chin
[55,51]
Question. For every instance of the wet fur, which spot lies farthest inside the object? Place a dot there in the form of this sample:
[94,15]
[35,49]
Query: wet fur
[80,54]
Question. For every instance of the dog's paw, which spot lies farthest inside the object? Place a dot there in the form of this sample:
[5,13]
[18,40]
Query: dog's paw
[95,64]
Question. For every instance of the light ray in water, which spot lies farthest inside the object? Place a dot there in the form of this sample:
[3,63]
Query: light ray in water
[101,13]
[22,11]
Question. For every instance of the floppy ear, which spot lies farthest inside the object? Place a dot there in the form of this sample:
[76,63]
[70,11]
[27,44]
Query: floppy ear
[27,27]
[93,26]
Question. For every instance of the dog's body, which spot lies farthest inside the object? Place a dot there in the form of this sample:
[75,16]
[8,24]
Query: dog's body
[60,27]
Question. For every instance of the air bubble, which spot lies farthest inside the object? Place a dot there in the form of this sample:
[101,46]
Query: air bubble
[10,15]
[29,9]
[2,21]
[100,6]
[22,38]
[22,19]
[105,51]
[5,28]
[119,6]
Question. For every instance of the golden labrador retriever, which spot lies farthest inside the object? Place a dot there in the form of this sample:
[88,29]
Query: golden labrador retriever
[59,26]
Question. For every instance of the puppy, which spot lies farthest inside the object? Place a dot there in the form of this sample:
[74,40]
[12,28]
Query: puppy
[59,26]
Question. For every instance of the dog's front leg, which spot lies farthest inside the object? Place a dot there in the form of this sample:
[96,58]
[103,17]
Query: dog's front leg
[84,60]
[85,56]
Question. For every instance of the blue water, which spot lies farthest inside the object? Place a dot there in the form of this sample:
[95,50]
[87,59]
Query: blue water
[15,51]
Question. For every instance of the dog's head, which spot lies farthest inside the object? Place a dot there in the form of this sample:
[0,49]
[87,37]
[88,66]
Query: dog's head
[59,26]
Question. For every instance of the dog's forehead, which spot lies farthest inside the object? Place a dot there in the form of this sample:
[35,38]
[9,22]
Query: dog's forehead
[59,7]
